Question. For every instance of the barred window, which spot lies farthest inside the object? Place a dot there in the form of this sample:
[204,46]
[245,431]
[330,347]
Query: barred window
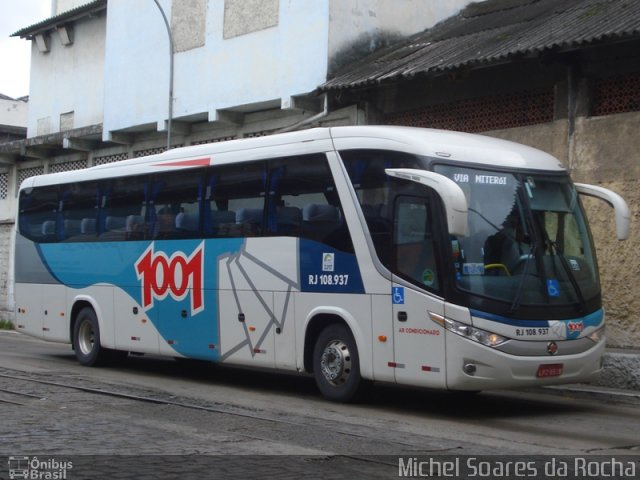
[213,140]
[616,94]
[67,166]
[482,114]
[25,173]
[148,151]
[153,151]
[263,133]
[4,185]
[110,158]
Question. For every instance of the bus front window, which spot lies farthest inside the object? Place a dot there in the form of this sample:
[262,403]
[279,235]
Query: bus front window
[528,242]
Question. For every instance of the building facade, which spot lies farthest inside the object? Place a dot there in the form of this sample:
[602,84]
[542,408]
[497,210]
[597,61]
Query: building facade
[13,118]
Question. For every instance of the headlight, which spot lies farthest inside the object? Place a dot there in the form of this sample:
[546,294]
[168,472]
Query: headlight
[596,336]
[489,339]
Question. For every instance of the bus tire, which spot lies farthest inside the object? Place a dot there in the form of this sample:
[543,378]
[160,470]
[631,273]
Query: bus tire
[86,339]
[336,365]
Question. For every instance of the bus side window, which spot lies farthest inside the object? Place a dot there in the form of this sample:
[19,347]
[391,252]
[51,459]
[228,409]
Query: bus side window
[165,223]
[136,227]
[121,199]
[38,211]
[288,220]
[222,222]
[303,202]
[78,202]
[175,196]
[413,243]
[376,191]
[234,200]
[320,220]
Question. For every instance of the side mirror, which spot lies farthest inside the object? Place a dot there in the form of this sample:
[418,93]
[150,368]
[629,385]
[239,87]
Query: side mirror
[455,203]
[620,207]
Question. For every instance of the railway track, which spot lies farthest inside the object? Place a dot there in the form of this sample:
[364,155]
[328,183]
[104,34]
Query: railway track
[23,385]
[221,409]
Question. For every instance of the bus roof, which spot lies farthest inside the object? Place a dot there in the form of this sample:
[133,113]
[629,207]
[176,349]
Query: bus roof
[454,146]
[451,146]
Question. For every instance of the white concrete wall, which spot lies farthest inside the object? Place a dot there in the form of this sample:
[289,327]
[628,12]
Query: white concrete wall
[61,6]
[244,53]
[357,21]
[267,64]
[68,79]
[13,112]
[6,271]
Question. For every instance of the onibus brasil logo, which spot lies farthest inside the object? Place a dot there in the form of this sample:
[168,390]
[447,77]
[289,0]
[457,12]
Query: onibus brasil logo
[38,468]
[177,276]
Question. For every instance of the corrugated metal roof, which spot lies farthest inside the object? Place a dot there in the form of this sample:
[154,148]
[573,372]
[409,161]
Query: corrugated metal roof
[65,17]
[495,31]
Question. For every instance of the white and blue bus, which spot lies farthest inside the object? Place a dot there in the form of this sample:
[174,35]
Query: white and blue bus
[403,255]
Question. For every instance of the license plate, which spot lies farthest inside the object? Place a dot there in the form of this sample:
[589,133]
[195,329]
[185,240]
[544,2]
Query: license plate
[552,370]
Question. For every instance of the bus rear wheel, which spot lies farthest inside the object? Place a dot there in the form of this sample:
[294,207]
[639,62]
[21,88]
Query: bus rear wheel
[86,339]
[336,366]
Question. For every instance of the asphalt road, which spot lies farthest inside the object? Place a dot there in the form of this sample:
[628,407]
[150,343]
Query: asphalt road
[276,424]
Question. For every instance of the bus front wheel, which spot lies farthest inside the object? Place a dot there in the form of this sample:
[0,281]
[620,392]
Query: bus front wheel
[86,339]
[336,366]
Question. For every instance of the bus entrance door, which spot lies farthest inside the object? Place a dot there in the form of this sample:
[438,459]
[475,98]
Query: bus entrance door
[419,351]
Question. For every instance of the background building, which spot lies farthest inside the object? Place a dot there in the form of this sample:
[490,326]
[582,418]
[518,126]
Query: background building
[13,118]
[13,127]
[100,77]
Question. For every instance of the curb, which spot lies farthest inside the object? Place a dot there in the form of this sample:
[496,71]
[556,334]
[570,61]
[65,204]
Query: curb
[620,370]
[593,392]
[619,380]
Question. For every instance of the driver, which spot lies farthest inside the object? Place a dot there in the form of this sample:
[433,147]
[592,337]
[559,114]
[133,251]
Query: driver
[505,247]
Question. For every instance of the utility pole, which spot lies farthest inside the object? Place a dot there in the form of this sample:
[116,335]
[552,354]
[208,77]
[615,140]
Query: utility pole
[170,120]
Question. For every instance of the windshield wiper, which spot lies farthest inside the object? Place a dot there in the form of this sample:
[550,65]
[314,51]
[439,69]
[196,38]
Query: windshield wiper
[516,300]
[493,225]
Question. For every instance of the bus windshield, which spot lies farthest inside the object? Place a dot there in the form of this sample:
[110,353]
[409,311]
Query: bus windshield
[528,241]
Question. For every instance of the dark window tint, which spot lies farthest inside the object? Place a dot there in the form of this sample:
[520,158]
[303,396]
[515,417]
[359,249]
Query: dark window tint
[122,201]
[39,213]
[234,199]
[414,253]
[79,208]
[376,191]
[293,196]
[175,201]
[303,202]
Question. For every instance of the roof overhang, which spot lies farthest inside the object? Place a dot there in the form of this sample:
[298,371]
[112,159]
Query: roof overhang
[496,32]
[60,21]
[44,146]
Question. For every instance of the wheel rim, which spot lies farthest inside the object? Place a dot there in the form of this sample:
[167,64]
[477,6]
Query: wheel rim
[335,362]
[86,337]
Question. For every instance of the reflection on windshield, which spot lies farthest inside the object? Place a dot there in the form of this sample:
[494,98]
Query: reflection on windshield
[528,242]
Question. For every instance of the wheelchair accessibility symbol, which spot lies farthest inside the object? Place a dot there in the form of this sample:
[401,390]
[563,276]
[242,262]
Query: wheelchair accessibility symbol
[398,295]
[553,288]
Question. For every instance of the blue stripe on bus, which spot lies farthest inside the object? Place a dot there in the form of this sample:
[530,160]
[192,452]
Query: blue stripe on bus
[507,320]
[591,320]
[327,270]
